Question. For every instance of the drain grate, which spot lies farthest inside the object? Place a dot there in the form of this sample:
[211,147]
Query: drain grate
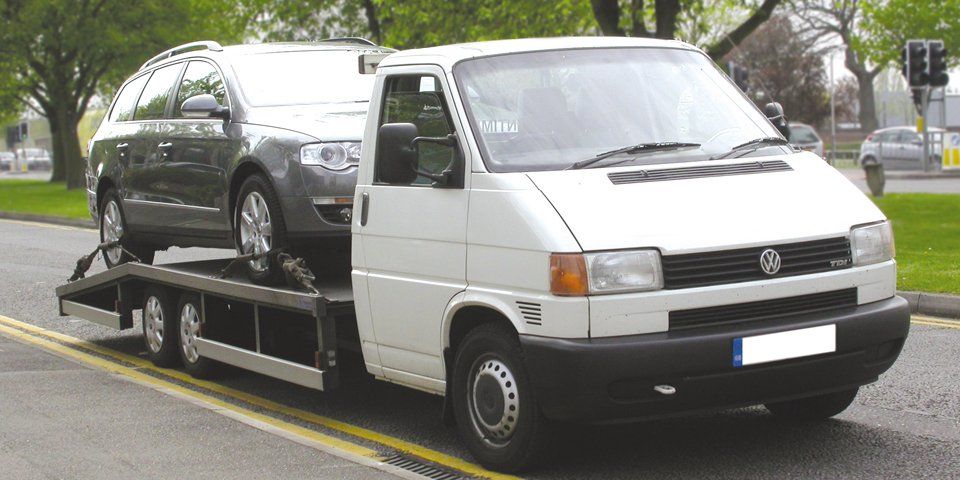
[420,468]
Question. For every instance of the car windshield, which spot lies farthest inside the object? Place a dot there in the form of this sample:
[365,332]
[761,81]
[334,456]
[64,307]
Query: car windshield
[302,77]
[547,110]
[802,134]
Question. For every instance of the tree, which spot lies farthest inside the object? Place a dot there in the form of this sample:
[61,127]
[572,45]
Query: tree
[785,68]
[889,24]
[617,18]
[289,20]
[57,55]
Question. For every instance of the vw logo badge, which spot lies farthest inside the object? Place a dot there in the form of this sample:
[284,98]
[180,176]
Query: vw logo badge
[770,261]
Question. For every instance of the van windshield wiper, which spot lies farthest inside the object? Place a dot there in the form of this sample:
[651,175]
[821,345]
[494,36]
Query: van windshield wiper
[757,143]
[640,148]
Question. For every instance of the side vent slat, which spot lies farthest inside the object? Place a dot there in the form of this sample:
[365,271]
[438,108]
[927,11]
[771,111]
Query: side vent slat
[531,312]
[686,173]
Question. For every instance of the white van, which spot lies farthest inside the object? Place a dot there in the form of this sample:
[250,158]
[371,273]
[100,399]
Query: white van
[606,229]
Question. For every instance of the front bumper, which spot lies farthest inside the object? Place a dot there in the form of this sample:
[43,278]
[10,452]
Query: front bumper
[612,379]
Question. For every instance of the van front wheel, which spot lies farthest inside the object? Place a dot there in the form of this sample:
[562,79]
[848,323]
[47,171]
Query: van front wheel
[497,413]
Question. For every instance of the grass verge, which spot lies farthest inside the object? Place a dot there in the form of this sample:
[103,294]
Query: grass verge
[927,232]
[42,198]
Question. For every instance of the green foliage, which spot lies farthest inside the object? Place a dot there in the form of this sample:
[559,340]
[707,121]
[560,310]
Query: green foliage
[419,23]
[927,232]
[888,24]
[290,20]
[42,198]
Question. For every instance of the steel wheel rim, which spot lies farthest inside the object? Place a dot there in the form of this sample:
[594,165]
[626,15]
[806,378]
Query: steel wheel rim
[256,230]
[189,332]
[153,324]
[111,229]
[493,401]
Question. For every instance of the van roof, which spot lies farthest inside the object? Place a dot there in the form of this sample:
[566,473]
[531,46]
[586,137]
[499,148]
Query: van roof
[448,55]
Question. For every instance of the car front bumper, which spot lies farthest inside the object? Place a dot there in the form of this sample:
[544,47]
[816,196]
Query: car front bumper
[612,379]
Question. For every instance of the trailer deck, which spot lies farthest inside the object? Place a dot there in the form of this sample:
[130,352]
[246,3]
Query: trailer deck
[279,332]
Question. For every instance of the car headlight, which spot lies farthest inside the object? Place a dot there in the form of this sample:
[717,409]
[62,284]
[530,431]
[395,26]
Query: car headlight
[333,156]
[871,243]
[605,272]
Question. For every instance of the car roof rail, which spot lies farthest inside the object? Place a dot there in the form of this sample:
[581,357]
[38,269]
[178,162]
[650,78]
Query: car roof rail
[355,40]
[201,45]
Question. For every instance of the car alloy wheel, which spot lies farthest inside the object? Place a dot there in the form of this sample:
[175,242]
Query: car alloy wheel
[189,332]
[256,231]
[111,230]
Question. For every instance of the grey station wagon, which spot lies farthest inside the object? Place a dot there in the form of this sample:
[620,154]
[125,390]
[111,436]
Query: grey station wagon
[252,147]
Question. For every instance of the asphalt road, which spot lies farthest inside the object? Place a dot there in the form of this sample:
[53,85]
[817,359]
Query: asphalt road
[905,425]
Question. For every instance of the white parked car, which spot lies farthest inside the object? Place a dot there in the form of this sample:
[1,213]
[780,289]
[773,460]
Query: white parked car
[7,160]
[805,137]
[900,148]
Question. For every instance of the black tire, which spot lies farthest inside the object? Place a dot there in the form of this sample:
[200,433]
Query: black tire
[259,186]
[478,362]
[195,365]
[819,407]
[112,259]
[160,327]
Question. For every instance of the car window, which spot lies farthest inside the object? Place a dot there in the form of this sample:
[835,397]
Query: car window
[153,100]
[802,134]
[200,78]
[418,99]
[890,136]
[123,107]
[907,136]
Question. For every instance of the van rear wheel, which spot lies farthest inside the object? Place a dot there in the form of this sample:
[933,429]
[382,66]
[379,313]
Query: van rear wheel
[159,327]
[497,413]
[189,326]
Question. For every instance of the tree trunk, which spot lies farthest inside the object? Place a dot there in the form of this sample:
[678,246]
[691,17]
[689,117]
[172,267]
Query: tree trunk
[59,165]
[607,13]
[373,22]
[666,13]
[868,106]
[68,140]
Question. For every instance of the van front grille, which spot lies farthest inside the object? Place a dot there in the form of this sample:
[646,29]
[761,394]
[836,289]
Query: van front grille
[686,173]
[743,265]
[763,310]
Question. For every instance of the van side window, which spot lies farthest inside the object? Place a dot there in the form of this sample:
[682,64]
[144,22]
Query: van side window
[153,100]
[200,78]
[123,107]
[418,99]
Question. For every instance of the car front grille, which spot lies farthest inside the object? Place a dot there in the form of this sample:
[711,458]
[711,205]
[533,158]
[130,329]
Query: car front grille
[743,265]
[763,310]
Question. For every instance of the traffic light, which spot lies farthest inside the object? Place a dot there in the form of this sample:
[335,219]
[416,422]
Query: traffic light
[937,63]
[740,76]
[914,57]
[23,131]
[13,137]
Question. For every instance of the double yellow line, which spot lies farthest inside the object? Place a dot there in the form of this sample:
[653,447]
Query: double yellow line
[935,322]
[133,367]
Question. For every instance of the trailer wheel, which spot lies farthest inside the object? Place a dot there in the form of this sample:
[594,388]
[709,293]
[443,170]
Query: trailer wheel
[113,224]
[497,413]
[189,328]
[159,327]
[819,407]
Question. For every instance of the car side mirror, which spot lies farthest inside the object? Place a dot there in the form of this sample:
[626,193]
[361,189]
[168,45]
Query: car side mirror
[204,106]
[399,158]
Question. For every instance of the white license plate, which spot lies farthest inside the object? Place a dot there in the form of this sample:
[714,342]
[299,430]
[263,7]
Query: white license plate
[784,345]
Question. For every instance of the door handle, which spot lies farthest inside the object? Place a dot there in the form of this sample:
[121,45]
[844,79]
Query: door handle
[364,208]
[123,146]
[165,146]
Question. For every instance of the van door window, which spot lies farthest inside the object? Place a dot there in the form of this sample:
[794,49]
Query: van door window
[200,78]
[418,99]
[153,100]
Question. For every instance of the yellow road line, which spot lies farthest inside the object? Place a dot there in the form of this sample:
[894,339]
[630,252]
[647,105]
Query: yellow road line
[353,430]
[49,225]
[935,322]
[91,360]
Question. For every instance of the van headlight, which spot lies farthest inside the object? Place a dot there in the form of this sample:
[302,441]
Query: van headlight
[605,272]
[332,156]
[871,243]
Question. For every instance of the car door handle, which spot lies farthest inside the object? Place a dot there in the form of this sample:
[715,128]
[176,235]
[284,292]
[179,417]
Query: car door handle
[364,208]
[165,146]
[123,146]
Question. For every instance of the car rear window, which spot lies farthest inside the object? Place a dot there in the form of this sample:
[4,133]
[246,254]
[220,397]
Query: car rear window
[126,99]
[302,77]
[802,134]
[153,100]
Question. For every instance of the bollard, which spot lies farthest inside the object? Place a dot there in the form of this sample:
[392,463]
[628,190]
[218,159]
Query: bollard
[875,178]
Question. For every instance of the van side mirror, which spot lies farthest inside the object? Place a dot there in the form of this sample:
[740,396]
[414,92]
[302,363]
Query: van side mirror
[774,112]
[204,106]
[398,157]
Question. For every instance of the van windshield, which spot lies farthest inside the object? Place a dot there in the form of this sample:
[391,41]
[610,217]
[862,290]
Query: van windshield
[547,110]
[301,78]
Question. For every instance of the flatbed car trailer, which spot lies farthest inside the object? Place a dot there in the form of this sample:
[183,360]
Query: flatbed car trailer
[279,332]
